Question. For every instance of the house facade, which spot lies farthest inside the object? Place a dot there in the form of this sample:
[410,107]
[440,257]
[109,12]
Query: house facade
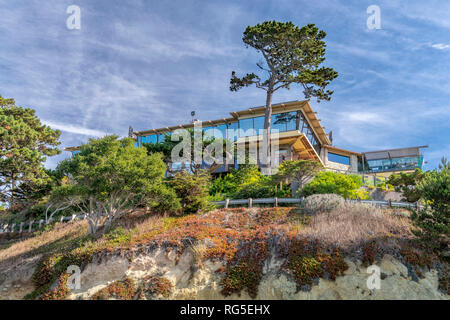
[300,136]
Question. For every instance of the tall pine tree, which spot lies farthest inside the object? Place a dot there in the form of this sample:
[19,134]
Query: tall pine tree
[24,144]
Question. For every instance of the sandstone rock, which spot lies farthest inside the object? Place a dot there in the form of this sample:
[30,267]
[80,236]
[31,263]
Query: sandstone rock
[390,266]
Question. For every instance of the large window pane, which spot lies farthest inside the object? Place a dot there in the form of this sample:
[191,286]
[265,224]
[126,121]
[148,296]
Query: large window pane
[258,124]
[221,131]
[246,127]
[278,122]
[334,157]
[233,126]
[291,123]
[150,139]
[160,137]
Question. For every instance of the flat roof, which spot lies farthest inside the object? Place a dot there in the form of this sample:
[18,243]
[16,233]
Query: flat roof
[393,153]
[341,150]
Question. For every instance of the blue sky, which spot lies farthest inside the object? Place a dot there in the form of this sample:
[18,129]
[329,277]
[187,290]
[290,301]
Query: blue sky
[149,63]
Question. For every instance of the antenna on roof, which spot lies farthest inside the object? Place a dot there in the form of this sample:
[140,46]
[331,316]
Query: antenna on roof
[193,115]
[130,132]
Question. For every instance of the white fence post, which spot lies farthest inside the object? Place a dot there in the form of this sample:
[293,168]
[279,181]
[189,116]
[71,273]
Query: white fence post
[250,202]
[73,217]
[30,226]
[21,226]
[40,223]
[276,202]
[61,219]
[227,202]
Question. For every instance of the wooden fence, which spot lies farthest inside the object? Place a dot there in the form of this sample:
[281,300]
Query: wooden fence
[275,201]
[37,224]
[28,226]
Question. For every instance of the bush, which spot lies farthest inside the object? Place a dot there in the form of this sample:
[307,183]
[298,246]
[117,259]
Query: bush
[406,184]
[321,203]
[255,191]
[192,189]
[326,182]
[434,220]
[233,182]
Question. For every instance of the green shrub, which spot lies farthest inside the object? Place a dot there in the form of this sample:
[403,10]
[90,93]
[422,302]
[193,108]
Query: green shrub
[434,220]
[326,182]
[192,190]
[406,184]
[236,179]
[255,191]
[317,203]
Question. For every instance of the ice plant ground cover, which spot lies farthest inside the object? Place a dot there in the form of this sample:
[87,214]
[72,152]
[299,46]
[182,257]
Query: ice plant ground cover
[312,246]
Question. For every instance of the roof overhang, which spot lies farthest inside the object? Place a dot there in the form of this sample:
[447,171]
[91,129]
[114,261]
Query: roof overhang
[295,139]
[394,153]
[341,151]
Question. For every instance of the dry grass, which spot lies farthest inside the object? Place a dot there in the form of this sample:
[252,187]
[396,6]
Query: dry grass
[61,236]
[345,227]
[353,223]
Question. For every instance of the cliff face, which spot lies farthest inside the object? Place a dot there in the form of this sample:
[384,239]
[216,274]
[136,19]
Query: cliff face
[192,281]
[258,253]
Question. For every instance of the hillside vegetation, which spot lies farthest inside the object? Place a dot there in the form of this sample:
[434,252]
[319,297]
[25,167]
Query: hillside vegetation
[312,246]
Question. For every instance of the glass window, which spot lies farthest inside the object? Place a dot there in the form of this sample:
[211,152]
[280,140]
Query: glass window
[221,131]
[278,122]
[161,137]
[258,124]
[334,157]
[233,126]
[291,123]
[209,132]
[246,127]
[150,139]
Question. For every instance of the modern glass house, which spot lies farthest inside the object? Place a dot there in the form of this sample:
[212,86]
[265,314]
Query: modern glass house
[300,136]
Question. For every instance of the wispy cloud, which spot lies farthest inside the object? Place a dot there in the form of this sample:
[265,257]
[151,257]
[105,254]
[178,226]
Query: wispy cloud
[74,129]
[440,46]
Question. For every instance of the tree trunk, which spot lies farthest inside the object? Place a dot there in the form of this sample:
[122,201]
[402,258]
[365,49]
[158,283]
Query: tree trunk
[266,163]
[13,186]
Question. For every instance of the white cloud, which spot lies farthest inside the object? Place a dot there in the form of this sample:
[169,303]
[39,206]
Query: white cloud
[364,117]
[74,129]
[440,46]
